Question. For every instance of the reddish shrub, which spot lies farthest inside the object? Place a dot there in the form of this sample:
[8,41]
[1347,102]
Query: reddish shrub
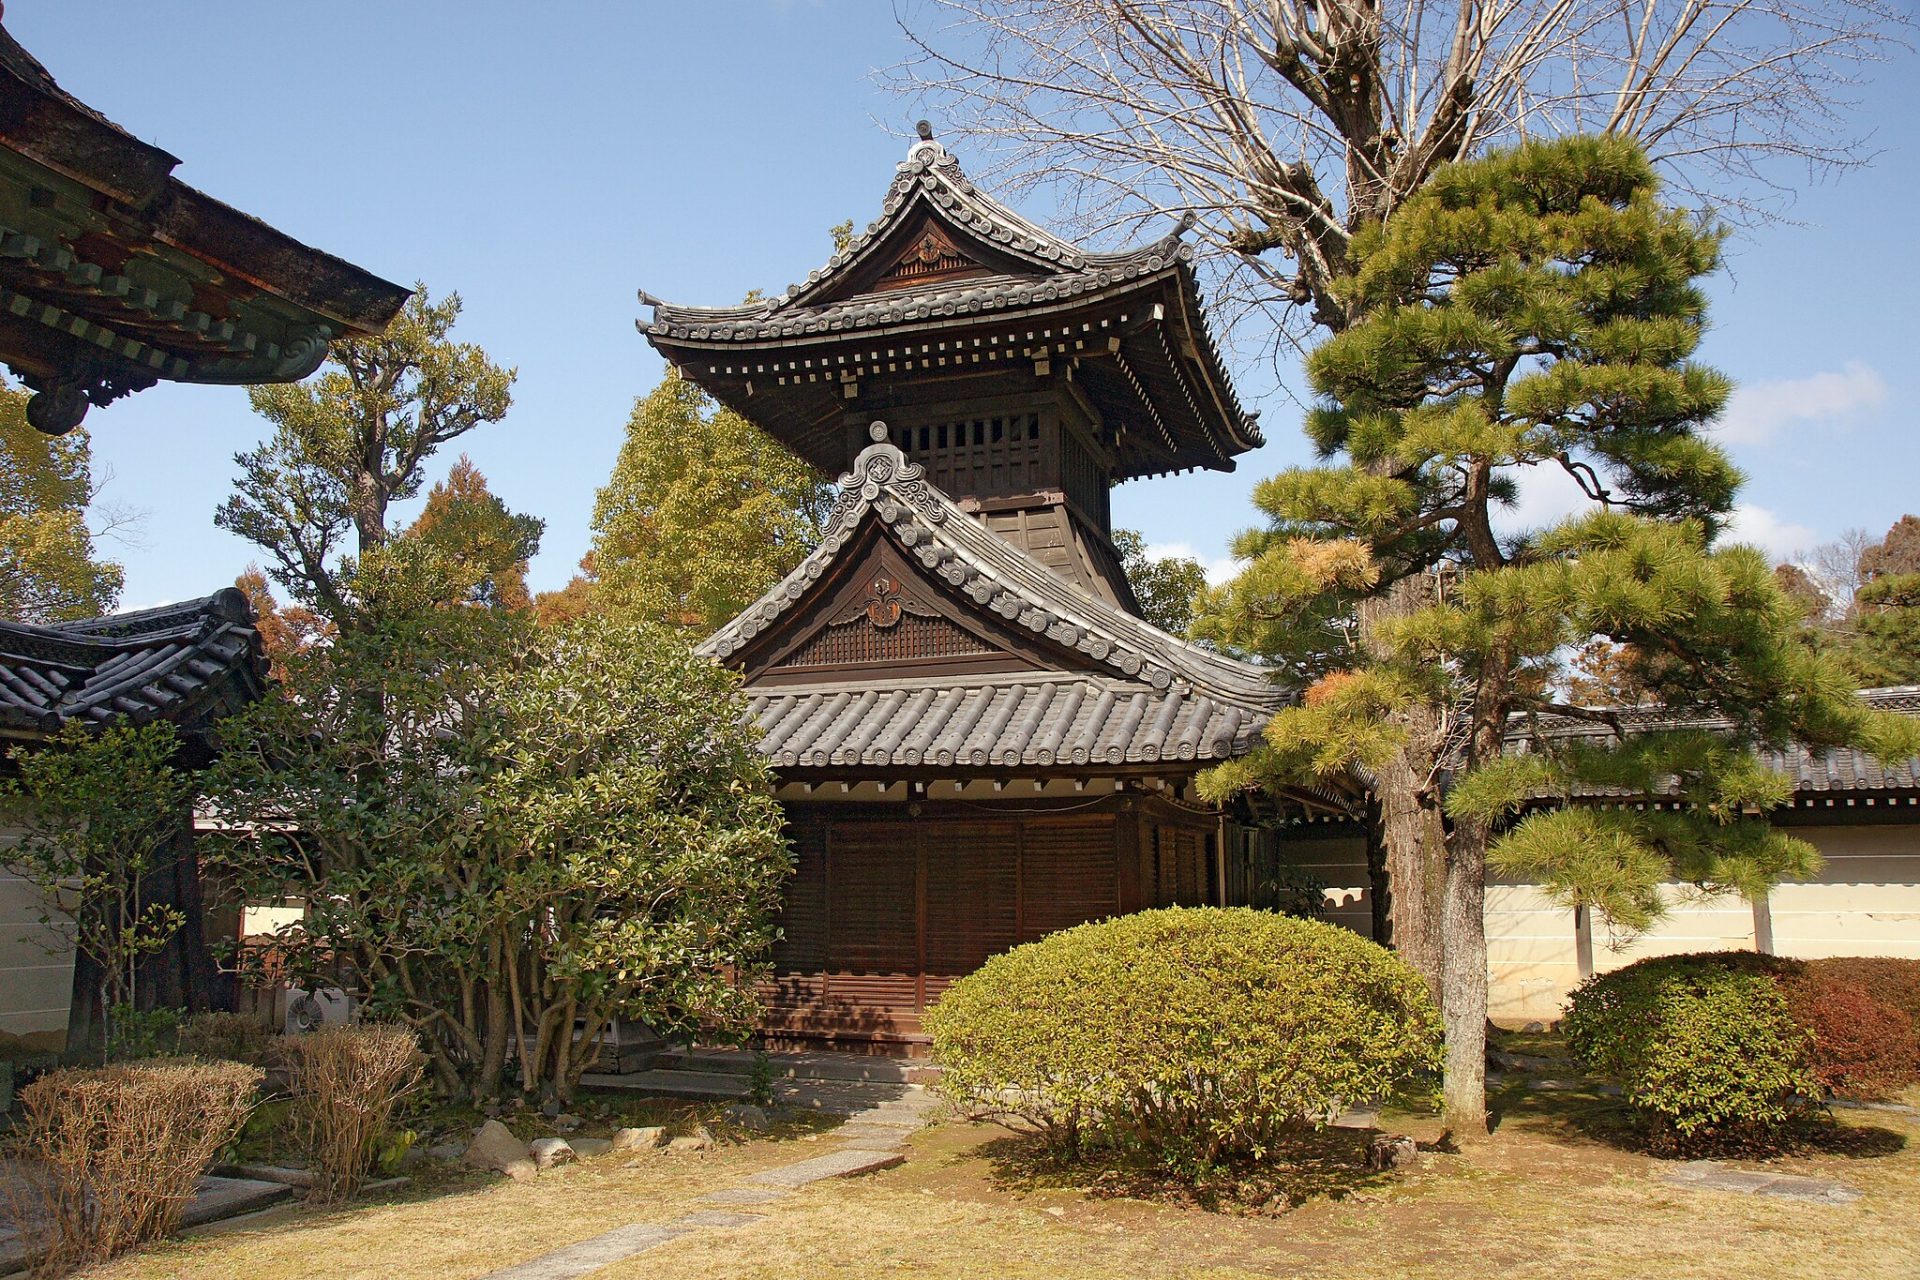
[1863,1044]
[1893,982]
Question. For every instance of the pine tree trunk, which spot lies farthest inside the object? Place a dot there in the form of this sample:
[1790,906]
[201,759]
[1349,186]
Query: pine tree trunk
[1464,983]
[1410,827]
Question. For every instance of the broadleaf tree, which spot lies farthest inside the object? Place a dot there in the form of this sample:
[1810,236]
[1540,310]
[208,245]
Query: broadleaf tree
[703,513]
[1165,586]
[50,569]
[503,833]
[1536,308]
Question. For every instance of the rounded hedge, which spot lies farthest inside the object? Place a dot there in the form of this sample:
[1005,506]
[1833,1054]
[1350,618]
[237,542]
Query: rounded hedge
[1197,1034]
[1706,1047]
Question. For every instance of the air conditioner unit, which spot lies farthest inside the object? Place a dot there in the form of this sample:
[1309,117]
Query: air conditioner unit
[303,1011]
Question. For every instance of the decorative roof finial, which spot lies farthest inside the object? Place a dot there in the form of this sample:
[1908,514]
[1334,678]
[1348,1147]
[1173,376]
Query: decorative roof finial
[877,431]
[925,129]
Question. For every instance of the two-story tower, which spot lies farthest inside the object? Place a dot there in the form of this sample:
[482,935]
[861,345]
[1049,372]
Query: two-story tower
[978,739]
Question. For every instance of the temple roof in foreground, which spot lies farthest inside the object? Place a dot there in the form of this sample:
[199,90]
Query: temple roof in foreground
[114,274]
[188,663]
[948,283]
[1093,685]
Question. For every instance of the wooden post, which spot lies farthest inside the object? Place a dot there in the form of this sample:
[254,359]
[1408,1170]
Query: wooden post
[1763,924]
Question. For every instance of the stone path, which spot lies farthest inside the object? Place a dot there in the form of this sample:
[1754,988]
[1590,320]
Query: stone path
[214,1199]
[1710,1175]
[874,1134]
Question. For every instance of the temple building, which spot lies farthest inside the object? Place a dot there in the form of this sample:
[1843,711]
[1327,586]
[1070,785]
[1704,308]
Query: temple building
[115,275]
[977,739]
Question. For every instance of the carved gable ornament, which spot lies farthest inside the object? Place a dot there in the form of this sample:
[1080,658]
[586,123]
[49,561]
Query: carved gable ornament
[930,256]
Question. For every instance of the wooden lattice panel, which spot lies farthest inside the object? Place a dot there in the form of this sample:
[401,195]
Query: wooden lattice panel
[860,641]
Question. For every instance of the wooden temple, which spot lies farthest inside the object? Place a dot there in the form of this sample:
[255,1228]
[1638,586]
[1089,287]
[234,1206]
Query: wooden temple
[115,275]
[977,739]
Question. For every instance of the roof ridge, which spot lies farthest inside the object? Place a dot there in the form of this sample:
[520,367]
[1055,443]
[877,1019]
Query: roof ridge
[1000,576]
[931,176]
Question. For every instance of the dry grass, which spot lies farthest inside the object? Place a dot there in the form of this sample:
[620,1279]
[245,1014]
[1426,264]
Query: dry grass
[1540,1199]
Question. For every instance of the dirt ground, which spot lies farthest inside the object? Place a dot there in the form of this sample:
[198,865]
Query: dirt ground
[1540,1198]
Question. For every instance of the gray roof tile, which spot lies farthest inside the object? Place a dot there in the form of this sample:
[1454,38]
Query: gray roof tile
[181,662]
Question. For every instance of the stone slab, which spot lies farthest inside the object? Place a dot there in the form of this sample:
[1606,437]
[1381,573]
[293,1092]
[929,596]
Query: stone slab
[590,1255]
[1357,1118]
[718,1218]
[214,1199]
[837,1164]
[878,1135]
[1710,1175]
[745,1195]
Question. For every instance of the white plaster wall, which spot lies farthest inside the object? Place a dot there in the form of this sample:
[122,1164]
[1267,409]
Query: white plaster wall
[1864,902]
[36,969]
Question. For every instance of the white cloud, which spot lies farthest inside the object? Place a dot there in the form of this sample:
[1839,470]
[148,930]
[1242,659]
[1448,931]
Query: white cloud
[1759,527]
[1760,411]
[1219,568]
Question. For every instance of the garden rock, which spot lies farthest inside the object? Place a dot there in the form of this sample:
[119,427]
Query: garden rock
[567,1123]
[699,1140]
[494,1147]
[587,1148]
[1396,1151]
[642,1139]
[446,1151]
[548,1152]
[747,1116]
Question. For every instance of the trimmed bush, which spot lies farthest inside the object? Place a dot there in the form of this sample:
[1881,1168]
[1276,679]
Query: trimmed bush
[235,1037]
[346,1083]
[1706,1047]
[1864,1012]
[120,1148]
[1195,1035]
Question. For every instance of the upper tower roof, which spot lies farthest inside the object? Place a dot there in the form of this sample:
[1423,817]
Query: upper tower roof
[950,296]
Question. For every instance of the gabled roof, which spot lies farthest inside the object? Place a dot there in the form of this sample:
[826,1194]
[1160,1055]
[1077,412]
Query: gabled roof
[187,663]
[997,295]
[1135,693]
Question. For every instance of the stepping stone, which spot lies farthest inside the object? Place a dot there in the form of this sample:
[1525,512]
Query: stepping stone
[837,1164]
[876,1135]
[1712,1176]
[745,1195]
[1357,1118]
[718,1218]
[591,1255]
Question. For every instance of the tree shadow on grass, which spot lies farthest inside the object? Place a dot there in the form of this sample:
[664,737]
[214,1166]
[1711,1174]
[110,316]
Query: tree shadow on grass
[1330,1164]
[1585,1113]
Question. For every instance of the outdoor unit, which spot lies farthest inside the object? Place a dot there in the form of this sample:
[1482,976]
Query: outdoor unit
[302,1011]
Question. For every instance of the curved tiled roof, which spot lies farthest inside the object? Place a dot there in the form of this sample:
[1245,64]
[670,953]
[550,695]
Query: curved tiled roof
[1813,771]
[999,577]
[1042,719]
[184,662]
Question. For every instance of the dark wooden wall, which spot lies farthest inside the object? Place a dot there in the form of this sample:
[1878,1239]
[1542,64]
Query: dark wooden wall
[886,910]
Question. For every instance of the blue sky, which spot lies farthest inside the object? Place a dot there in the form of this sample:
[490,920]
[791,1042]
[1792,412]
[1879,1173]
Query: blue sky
[547,160]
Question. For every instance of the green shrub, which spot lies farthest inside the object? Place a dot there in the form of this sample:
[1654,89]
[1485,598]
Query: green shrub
[232,1037]
[1195,1035]
[1705,1047]
[116,1151]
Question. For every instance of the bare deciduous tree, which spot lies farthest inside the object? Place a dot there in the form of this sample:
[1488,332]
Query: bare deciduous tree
[1285,125]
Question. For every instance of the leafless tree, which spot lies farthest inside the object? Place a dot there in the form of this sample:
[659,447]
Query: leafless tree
[1285,125]
[1834,567]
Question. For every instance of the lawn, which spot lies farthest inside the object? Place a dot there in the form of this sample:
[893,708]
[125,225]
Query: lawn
[1540,1198]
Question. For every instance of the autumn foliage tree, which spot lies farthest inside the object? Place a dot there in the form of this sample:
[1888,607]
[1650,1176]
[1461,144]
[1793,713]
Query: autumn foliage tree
[1537,308]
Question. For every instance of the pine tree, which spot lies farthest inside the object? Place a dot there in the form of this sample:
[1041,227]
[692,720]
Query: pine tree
[1880,639]
[1536,308]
